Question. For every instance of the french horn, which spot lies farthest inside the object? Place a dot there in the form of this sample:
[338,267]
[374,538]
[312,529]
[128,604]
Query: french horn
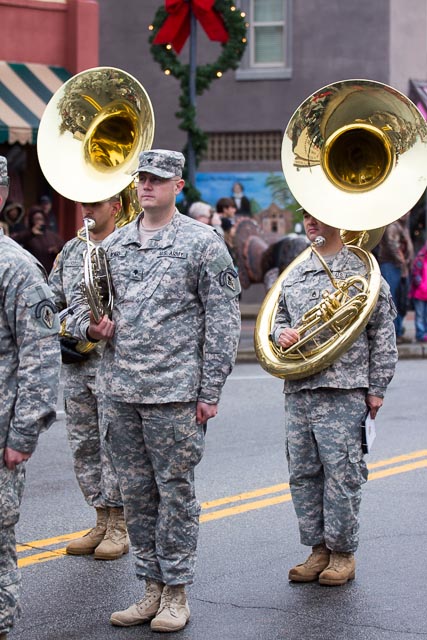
[354,155]
[90,136]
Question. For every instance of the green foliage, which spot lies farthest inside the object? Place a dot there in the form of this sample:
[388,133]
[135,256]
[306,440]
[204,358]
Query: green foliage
[231,54]
[282,195]
[280,191]
[255,206]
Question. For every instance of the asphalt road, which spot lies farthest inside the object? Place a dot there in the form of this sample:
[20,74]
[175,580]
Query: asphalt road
[248,534]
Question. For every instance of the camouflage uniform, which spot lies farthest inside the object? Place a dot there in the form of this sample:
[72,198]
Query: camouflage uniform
[29,370]
[324,411]
[93,467]
[177,329]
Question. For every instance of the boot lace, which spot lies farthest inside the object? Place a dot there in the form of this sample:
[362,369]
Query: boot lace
[314,557]
[170,600]
[339,561]
[150,596]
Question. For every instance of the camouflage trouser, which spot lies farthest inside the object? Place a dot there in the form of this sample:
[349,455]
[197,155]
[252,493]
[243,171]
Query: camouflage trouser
[11,489]
[326,466]
[93,467]
[155,449]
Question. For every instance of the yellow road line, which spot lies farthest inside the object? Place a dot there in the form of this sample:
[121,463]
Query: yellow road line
[231,511]
[402,458]
[259,504]
[401,469]
[242,508]
[285,486]
[37,558]
[47,542]
[245,496]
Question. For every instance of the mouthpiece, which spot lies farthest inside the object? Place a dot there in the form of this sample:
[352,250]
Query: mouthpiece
[319,241]
[89,223]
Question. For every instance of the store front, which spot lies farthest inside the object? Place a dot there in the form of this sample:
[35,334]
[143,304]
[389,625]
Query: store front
[45,43]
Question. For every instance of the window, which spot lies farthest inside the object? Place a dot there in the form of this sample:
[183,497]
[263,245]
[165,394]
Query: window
[268,53]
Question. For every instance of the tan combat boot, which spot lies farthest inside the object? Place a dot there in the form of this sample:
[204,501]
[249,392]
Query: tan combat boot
[174,612]
[3,636]
[143,610]
[116,541]
[341,569]
[87,544]
[309,570]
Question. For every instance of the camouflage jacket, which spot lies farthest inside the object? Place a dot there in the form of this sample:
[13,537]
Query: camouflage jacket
[176,311]
[370,361]
[64,280]
[29,349]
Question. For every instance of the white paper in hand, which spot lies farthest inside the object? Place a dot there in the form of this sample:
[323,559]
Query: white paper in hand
[368,433]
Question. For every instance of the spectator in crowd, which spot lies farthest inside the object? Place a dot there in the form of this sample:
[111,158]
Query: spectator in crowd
[203,212]
[227,211]
[407,249]
[13,217]
[46,207]
[393,264]
[43,243]
[418,293]
[226,208]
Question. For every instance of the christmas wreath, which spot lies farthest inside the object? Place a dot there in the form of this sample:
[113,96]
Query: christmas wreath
[232,35]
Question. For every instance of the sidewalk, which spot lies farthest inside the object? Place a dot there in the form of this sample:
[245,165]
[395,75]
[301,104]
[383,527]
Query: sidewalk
[249,313]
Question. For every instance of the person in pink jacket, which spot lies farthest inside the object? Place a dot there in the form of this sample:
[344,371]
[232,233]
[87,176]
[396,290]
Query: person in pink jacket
[418,293]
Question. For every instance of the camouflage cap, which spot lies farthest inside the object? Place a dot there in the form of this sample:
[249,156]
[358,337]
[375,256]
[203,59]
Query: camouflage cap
[162,163]
[4,178]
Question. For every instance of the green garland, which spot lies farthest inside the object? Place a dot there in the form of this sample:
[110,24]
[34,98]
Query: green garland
[231,54]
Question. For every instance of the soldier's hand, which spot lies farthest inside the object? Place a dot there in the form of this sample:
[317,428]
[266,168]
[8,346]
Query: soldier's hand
[104,330]
[13,457]
[205,411]
[374,404]
[287,338]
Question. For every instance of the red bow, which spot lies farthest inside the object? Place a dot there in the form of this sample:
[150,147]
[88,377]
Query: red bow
[176,28]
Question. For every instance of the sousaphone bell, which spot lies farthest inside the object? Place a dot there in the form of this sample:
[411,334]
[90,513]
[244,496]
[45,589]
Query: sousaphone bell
[90,136]
[354,155]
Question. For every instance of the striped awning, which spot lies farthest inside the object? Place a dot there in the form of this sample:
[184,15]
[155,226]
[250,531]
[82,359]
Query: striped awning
[25,89]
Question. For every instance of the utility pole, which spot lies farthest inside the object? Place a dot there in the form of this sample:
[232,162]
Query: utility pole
[192,94]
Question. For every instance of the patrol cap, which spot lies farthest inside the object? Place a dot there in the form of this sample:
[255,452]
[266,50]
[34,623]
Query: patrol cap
[4,178]
[162,163]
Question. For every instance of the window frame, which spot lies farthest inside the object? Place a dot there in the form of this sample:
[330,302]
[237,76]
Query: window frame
[247,69]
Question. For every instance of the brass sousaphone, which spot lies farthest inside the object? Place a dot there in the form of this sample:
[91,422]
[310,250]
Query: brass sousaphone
[354,155]
[89,140]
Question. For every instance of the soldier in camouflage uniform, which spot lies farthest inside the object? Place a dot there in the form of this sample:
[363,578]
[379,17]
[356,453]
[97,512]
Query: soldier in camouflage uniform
[171,344]
[29,370]
[324,412]
[94,470]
